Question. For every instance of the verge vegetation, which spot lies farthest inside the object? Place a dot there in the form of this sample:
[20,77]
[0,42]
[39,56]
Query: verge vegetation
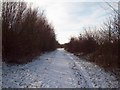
[26,33]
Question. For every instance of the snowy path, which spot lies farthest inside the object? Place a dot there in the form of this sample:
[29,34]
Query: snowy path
[57,69]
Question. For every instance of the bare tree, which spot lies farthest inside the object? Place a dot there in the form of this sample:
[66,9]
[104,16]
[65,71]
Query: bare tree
[26,33]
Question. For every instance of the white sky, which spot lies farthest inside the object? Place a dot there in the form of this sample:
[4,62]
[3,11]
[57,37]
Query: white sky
[70,16]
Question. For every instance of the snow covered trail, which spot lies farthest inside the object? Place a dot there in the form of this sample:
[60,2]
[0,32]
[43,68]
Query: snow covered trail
[57,69]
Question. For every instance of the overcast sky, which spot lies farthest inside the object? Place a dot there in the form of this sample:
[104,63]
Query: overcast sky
[70,16]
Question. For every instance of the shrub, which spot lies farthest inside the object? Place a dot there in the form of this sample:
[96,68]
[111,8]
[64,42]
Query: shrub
[26,33]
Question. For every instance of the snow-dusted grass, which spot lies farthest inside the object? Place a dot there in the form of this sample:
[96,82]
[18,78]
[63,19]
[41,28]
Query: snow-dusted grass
[57,69]
[96,76]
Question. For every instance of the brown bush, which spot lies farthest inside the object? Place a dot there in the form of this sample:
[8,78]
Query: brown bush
[26,33]
[102,46]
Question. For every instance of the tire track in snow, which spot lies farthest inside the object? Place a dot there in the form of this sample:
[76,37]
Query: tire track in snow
[56,69]
[81,73]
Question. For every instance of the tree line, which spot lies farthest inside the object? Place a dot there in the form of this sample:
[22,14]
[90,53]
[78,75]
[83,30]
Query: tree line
[99,45]
[26,33]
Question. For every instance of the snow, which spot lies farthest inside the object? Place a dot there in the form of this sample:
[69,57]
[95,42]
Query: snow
[96,77]
[57,69]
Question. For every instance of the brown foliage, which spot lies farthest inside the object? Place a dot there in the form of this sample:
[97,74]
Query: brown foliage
[101,46]
[25,33]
